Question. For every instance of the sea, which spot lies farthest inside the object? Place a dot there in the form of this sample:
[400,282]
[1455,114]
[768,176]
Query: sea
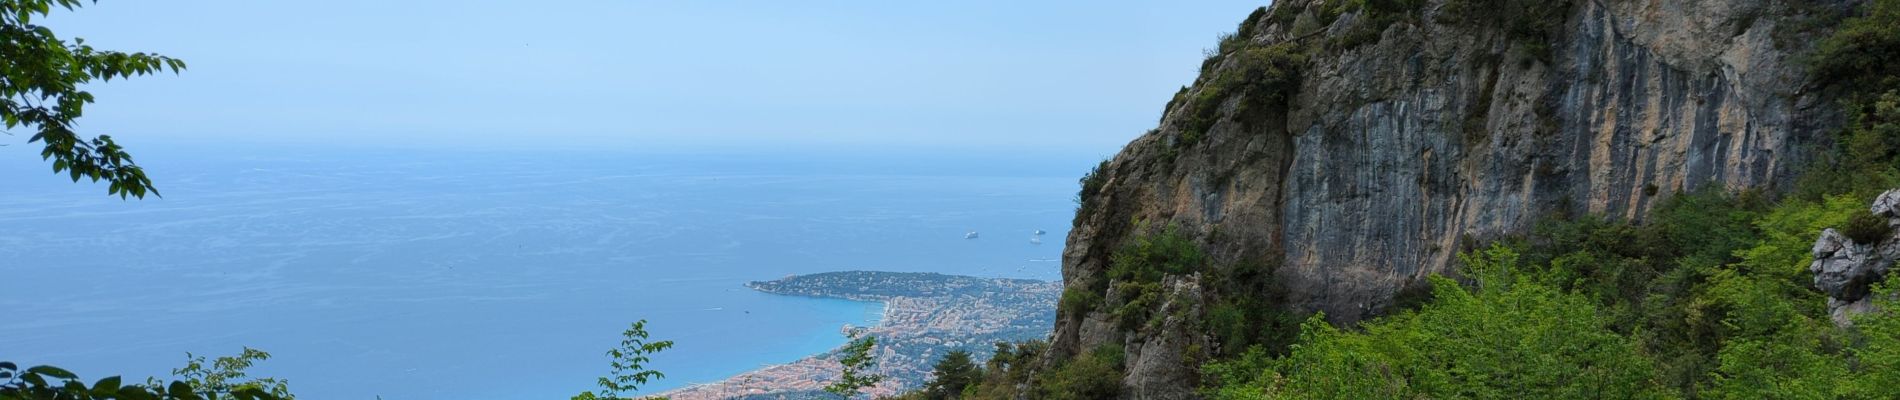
[407,273]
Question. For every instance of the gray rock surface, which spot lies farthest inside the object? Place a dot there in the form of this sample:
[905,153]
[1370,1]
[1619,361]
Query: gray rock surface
[1846,271]
[1395,155]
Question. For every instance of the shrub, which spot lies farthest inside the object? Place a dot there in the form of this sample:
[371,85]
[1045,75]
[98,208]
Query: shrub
[1865,228]
[1860,54]
[1377,15]
[1092,184]
[1532,24]
[1137,268]
[1856,61]
[1507,338]
[1096,375]
[1077,300]
[1267,75]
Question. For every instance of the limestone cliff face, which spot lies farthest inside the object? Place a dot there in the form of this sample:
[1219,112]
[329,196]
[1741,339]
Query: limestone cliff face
[1393,153]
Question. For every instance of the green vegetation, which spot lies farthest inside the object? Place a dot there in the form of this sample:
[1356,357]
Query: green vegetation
[629,364]
[1378,15]
[1250,309]
[1092,184]
[1510,337]
[1095,375]
[1857,62]
[1860,54]
[855,359]
[40,80]
[951,375]
[1267,76]
[226,375]
[1138,267]
[224,378]
[1011,363]
[1078,300]
[1708,299]
[1532,24]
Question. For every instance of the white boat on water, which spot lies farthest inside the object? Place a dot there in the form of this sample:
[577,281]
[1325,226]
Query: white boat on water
[1039,232]
[1035,240]
[971,235]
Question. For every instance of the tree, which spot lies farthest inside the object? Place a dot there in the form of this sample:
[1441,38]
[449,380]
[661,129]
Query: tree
[951,374]
[629,363]
[40,80]
[855,359]
[226,375]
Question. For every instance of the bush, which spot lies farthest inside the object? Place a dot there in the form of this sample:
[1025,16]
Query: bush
[1137,268]
[1510,337]
[1092,184]
[1532,24]
[1860,55]
[1267,75]
[1096,375]
[1865,228]
[1077,300]
[1377,16]
[1857,62]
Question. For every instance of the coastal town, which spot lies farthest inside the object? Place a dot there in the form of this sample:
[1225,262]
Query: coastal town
[925,315]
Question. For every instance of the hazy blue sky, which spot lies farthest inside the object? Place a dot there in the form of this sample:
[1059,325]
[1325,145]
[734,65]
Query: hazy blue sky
[1073,75]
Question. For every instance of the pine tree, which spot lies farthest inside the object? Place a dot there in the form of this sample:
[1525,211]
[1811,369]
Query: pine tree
[953,373]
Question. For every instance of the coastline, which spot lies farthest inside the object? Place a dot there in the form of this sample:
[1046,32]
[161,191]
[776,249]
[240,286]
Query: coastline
[918,311]
[812,363]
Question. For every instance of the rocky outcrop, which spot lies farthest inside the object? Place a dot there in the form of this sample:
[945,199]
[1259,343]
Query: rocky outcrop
[1847,270]
[1401,140]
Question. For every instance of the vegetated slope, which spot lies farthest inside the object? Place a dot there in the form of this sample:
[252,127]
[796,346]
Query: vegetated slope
[1334,154]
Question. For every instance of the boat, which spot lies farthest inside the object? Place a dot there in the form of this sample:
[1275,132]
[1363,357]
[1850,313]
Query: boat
[971,235]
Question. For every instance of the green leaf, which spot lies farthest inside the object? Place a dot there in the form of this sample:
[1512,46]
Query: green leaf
[106,387]
[181,390]
[52,371]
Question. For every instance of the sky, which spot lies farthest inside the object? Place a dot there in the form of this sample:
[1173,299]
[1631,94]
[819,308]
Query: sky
[975,74]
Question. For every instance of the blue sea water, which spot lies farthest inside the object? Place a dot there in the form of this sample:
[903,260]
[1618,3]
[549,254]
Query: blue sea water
[436,274]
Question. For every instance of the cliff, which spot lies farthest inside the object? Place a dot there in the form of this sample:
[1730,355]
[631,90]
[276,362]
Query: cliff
[1333,154]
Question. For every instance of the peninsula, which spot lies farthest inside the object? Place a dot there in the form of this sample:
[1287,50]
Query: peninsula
[925,315]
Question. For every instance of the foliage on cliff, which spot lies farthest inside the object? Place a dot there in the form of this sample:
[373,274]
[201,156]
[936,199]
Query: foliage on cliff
[1857,62]
[1709,299]
[1508,337]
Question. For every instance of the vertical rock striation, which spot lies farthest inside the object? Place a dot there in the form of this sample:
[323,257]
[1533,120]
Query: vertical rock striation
[1403,140]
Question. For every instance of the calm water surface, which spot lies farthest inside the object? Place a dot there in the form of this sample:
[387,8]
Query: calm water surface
[490,275]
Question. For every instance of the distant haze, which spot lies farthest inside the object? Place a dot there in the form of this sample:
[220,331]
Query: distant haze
[1078,76]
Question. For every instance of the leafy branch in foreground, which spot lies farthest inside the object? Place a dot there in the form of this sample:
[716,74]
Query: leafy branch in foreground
[47,382]
[855,358]
[629,364]
[40,80]
[226,375]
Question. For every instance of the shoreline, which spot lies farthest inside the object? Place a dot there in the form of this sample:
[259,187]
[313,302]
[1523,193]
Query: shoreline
[920,316]
[876,321]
